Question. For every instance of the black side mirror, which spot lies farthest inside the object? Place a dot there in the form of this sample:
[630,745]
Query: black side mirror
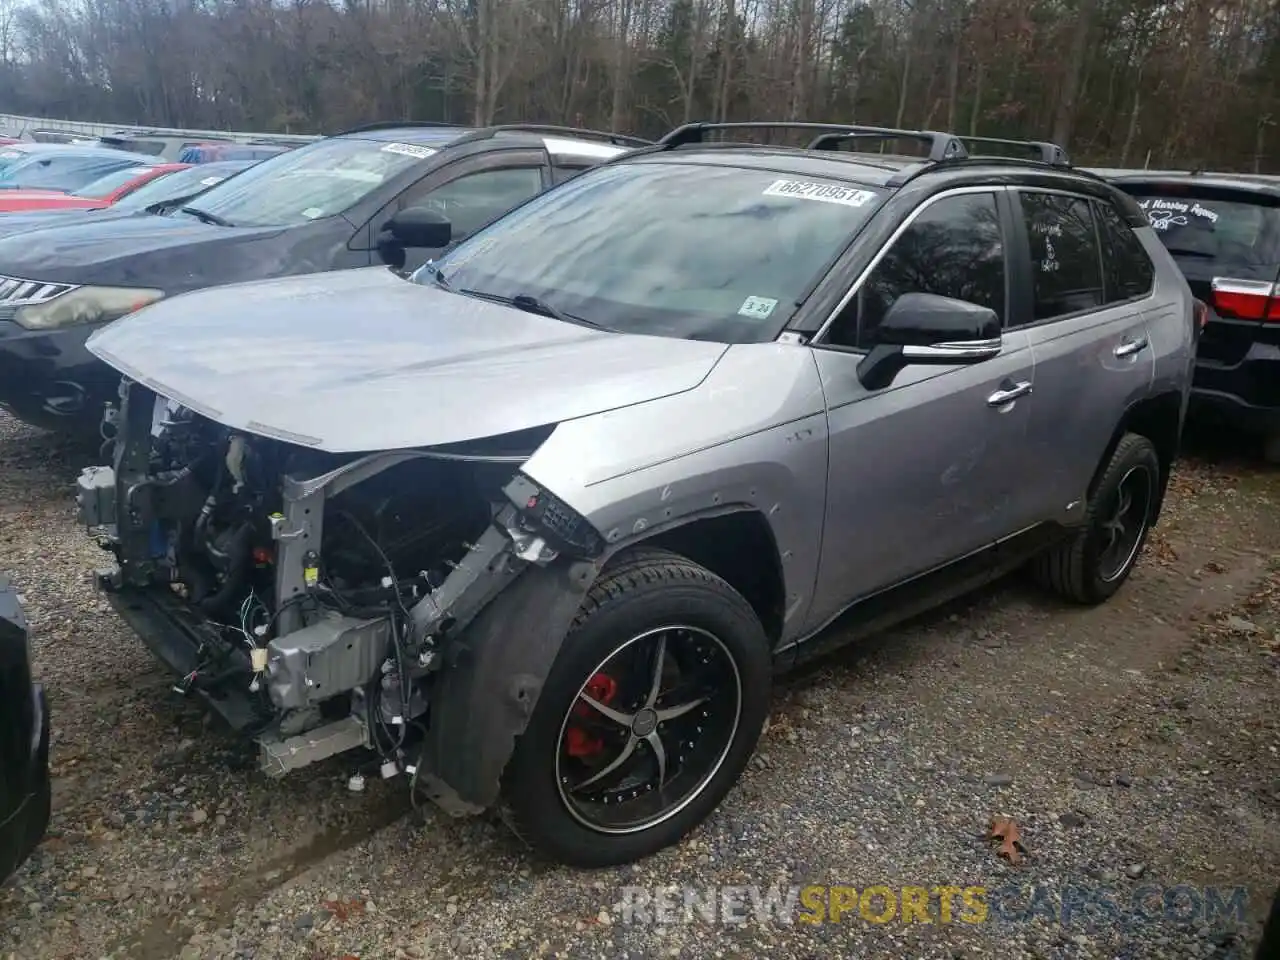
[420,227]
[926,328]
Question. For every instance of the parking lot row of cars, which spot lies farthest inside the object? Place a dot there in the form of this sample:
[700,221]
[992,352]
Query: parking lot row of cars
[523,456]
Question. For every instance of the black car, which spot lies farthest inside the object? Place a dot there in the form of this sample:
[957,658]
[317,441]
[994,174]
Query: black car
[1224,232]
[341,202]
[24,741]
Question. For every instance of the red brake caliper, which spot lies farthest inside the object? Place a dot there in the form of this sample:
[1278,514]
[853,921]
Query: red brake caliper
[578,743]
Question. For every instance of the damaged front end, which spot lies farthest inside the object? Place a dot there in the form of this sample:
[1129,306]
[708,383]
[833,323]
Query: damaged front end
[320,602]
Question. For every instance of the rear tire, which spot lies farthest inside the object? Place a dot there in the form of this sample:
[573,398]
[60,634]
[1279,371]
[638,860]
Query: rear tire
[569,791]
[1090,567]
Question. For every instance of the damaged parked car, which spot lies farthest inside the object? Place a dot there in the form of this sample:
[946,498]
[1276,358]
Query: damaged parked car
[539,522]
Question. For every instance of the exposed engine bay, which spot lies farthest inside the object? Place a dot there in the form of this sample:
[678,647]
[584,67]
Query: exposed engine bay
[309,597]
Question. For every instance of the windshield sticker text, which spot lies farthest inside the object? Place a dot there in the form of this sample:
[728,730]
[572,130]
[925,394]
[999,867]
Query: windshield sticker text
[757,308]
[1164,214]
[409,150]
[823,192]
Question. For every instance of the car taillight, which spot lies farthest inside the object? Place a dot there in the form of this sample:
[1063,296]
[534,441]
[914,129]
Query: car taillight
[1245,299]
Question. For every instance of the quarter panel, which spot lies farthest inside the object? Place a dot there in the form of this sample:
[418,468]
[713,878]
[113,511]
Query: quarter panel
[752,436]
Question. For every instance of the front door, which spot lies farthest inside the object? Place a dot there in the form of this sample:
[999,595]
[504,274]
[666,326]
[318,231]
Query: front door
[930,468]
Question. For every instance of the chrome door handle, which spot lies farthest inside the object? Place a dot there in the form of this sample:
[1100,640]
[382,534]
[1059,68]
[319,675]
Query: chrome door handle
[1001,397]
[1129,347]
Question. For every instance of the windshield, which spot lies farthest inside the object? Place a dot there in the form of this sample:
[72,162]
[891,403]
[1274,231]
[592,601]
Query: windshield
[668,248]
[318,180]
[60,172]
[1219,230]
[105,186]
[168,187]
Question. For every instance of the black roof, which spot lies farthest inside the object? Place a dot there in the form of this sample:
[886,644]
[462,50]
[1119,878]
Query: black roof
[1252,183]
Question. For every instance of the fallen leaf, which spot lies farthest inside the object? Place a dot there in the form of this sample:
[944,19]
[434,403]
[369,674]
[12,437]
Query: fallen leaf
[1010,837]
[343,909]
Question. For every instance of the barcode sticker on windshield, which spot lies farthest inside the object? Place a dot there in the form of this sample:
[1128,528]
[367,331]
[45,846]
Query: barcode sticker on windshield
[210,181]
[757,308]
[823,192]
[409,150]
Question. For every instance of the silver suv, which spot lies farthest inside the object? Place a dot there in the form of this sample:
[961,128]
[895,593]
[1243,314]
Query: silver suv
[538,522]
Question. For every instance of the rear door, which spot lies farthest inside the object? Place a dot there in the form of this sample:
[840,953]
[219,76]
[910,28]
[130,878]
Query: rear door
[1088,335]
[1227,244]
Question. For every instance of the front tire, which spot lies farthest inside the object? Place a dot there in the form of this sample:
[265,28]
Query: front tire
[1091,566]
[648,717]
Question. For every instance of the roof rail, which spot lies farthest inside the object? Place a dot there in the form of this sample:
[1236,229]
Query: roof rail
[617,139]
[1045,152]
[395,125]
[941,145]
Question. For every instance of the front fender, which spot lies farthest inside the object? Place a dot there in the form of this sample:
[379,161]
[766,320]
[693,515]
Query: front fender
[490,682]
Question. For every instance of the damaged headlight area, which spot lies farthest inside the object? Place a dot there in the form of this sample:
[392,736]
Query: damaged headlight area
[311,598]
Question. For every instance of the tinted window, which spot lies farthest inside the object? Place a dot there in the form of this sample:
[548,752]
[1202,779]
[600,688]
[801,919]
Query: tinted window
[474,199]
[1204,228]
[668,248]
[1129,271]
[952,249]
[1066,264]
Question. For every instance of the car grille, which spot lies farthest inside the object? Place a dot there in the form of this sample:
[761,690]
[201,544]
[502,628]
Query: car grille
[16,292]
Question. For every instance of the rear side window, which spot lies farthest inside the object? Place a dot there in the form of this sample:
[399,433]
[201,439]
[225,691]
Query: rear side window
[1228,232]
[1066,263]
[1129,272]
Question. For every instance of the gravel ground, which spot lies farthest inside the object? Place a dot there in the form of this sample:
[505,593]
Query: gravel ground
[1134,744]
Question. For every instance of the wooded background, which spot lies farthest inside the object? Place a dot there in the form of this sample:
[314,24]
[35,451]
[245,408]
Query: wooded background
[1119,82]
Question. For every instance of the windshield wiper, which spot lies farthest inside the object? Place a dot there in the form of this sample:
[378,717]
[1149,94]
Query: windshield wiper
[205,217]
[1183,252]
[531,304]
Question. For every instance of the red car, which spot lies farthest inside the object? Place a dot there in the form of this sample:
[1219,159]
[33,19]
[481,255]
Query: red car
[102,192]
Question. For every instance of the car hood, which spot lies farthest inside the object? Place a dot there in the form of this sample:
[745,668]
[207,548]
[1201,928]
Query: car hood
[362,360]
[172,253]
[26,221]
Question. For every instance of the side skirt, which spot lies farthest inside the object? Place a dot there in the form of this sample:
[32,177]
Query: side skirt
[921,593]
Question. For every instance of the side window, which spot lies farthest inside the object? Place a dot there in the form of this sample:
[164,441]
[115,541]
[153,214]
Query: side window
[952,249]
[474,199]
[1066,264]
[1129,271]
